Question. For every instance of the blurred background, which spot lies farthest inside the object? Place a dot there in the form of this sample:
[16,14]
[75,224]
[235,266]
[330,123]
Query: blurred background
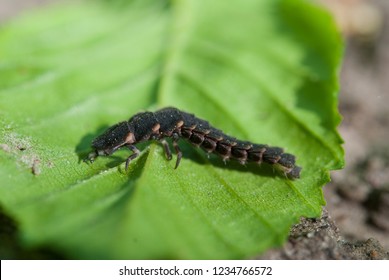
[358,196]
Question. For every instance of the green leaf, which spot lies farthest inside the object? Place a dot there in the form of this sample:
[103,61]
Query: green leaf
[263,71]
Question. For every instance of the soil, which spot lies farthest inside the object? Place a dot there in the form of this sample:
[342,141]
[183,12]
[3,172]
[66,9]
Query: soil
[355,221]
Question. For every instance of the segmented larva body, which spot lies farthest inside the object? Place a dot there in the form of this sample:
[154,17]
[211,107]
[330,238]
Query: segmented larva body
[175,124]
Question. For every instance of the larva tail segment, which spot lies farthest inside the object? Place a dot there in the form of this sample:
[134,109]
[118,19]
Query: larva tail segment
[200,134]
[283,161]
[274,156]
[294,173]
[287,164]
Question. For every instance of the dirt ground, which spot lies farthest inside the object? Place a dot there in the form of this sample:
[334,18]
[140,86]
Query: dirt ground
[355,222]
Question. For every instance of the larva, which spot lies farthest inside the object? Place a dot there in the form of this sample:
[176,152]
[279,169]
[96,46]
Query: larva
[175,124]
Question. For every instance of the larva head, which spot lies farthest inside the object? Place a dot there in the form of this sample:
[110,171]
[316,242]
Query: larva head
[112,139]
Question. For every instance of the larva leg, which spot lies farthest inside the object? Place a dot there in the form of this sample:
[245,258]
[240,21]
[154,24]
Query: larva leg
[165,145]
[135,154]
[177,148]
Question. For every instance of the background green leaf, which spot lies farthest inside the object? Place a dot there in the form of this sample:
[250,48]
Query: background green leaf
[264,71]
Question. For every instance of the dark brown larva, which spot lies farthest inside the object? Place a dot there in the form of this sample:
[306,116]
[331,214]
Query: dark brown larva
[175,124]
